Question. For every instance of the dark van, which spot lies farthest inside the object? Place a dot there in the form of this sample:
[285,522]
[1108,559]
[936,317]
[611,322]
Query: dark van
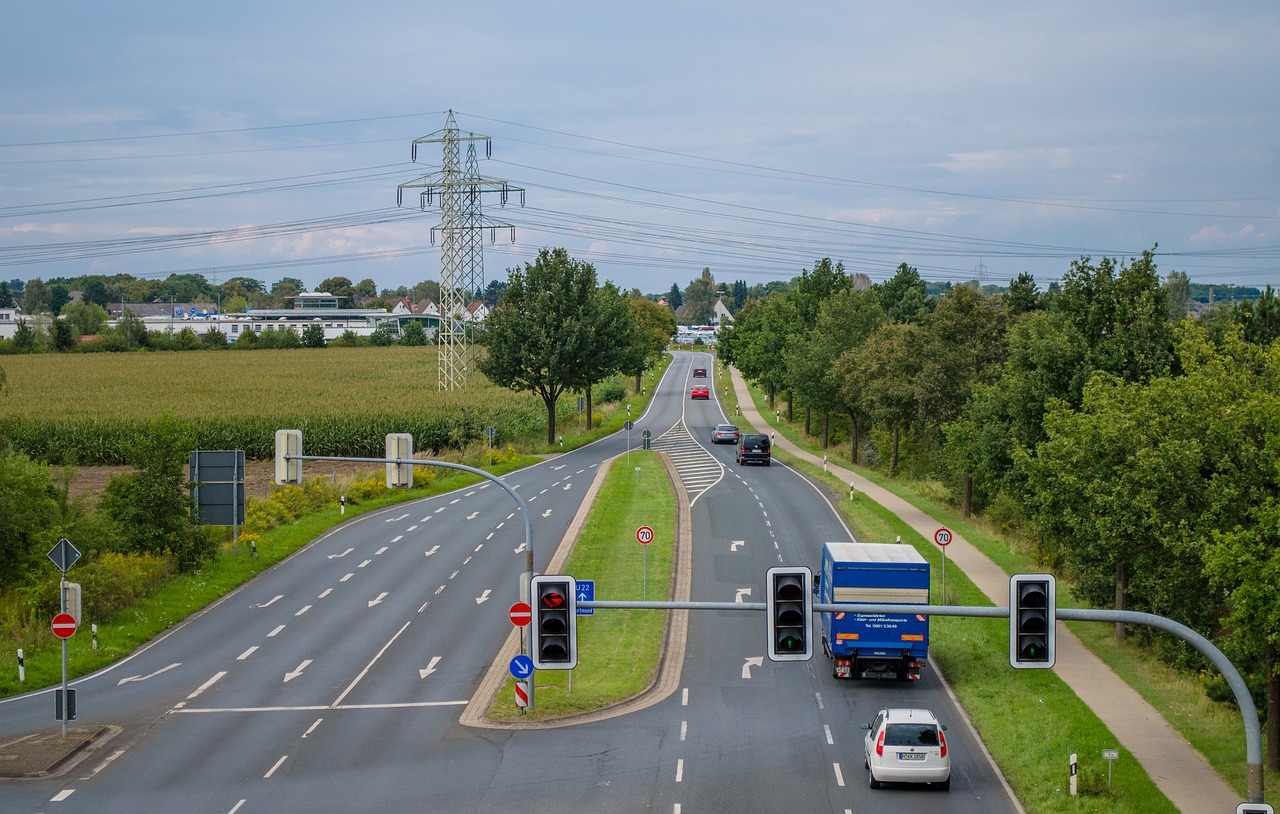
[753,448]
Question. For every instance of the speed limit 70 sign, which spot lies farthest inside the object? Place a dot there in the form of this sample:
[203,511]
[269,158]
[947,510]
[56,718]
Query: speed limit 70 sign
[942,537]
[644,535]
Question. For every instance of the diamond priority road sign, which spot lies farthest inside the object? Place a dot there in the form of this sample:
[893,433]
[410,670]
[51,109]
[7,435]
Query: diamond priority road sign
[64,555]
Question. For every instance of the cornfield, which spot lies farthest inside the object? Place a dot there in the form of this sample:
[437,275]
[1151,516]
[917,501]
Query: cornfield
[85,409]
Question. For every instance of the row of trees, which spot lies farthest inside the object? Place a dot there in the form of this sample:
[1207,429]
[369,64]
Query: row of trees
[557,330]
[1138,453]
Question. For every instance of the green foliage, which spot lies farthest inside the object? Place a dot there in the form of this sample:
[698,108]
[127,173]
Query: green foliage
[30,511]
[610,392]
[413,334]
[381,336]
[152,506]
[313,336]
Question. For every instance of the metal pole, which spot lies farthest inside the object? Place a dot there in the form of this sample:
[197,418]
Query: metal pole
[66,699]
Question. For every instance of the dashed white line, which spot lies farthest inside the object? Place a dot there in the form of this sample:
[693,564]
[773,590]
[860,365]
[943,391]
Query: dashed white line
[363,564]
[62,795]
[273,633]
[325,593]
[236,807]
[207,684]
[839,775]
[279,763]
[684,729]
[303,610]
[455,500]
[827,729]
[313,727]
[684,697]
[680,771]
[347,577]
[400,537]
[380,551]
[246,654]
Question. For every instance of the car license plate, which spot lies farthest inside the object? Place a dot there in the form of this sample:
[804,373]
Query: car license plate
[911,756]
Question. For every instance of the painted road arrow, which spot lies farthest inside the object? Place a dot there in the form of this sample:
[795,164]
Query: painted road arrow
[343,554]
[433,550]
[547,513]
[484,597]
[294,674]
[749,663]
[733,546]
[431,668]
[271,601]
[473,515]
[378,601]
[741,593]
[153,675]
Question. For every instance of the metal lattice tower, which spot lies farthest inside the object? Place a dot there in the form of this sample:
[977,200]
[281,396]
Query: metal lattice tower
[461,239]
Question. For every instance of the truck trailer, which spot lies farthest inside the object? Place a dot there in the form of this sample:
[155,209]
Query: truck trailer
[874,645]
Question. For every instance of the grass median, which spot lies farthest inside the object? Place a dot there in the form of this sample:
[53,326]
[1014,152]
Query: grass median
[618,650]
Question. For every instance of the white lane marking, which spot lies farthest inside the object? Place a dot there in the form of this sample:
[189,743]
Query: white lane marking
[347,577]
[733,546]
[433,550]
[479,547]
[313,727]
[741,593]
[292,674]
[827,729]
[62,795]
[431,668]
[454,574]
[395,519]
[467,560]
[425,605]
[325,593]
[369,666]
[236,807]
[684,697]
[400,537]
[680,770]
[363,564]
[469,494]
[438,590]
[490,537]
[684,729]
[153,675]
[473,515]
[207,684]
[818,697]
[839,775]
[103,765]
[500,525]
[442,508]
[455,500]
[303,610]
[380,551]
[273,633]
[279,763]
[275,599]
[754,661]
[414,527]
[322,708]
[246,654]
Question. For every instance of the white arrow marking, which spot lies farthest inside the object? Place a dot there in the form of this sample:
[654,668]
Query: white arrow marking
[751,662]
[395,519]
[377,601]
[431,668]
[153,675]
[547,513]
[294,674]
[484,597]
[433,550]
[568,486]
[473,515]
[741,593]
[557,468]
[521,548]
[733,546]
[271,601]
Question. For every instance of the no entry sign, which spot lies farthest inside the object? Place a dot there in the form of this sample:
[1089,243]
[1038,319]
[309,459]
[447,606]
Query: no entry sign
[64,626]
[520,614]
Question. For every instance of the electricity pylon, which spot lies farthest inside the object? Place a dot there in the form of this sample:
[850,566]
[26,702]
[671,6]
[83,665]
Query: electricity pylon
[461,239]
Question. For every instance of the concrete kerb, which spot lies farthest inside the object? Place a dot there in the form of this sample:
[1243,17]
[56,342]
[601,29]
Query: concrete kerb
[1177,769]
[666,678]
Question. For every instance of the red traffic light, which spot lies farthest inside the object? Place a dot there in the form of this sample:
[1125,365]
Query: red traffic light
[551,599]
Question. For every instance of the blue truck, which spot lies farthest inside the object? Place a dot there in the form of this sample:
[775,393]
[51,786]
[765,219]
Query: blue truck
[874,645]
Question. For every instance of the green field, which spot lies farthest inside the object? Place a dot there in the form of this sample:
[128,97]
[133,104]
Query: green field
[84,408]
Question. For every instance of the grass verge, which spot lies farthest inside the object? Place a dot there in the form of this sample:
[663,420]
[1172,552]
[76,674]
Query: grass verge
[617,649]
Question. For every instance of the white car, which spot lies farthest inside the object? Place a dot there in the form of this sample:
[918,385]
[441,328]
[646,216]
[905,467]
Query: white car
[906,746]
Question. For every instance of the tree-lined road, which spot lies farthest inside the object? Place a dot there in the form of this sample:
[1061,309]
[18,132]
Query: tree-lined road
[334,681]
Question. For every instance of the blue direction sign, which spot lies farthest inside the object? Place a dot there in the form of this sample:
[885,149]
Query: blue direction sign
[521,666]
[586,593]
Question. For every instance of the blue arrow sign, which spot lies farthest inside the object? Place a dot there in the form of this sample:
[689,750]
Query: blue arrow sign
[586,593]
[521,666]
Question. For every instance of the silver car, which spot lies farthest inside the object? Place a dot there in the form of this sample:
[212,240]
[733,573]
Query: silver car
[724,434]
[906,746]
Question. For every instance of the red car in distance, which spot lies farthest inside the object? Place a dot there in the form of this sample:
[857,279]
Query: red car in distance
[700,391]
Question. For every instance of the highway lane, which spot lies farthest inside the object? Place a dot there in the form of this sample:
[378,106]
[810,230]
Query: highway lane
[333,683]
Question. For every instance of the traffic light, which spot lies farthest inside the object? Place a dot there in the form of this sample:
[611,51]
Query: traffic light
[789,603]
[555,622]
[288,442]
[1032,614]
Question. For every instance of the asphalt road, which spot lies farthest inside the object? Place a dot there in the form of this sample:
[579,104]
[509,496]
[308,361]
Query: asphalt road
[334,681]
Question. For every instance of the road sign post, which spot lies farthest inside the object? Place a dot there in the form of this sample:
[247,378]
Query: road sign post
[943,538]
[644,535]
[64,555]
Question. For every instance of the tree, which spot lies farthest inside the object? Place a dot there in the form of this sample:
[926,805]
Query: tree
[426,290]
[313,335]
[904,297]
[215,339]
[285,288]
[152,506]
[337,286]
[35,297]
[366,288]
[700,299]
[1178,288]
[882,376]
[86,318]
[657,324]
[62,335]
[757,339]
[6,296]
[1022,295]
[674,297]
[413,334]
[539,336]
[26,338]
[28,513]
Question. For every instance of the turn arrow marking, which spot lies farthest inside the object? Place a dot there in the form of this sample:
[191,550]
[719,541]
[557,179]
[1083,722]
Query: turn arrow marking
[377,601]
[433,550]
[484,597]
[741,593]
[733,546]
[431,668]
[290,676]
[473,515]
[521,548]
[547,513]
[749,663]
[343,554]
[153,675]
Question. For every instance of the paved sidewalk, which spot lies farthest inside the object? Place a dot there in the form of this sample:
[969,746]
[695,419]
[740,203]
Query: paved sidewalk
[1181,772]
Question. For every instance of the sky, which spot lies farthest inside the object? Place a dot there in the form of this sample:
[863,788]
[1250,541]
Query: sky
[973,140]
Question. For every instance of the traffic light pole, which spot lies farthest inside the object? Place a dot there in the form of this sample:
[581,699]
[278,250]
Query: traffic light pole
[1248,712]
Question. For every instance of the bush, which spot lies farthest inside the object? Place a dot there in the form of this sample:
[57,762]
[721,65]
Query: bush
[610,392]
[114,582]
